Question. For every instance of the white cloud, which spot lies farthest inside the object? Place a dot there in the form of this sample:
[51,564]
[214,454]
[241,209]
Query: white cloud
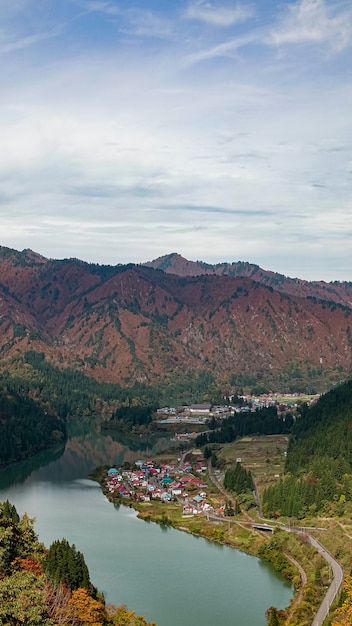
[100,6]
[314,21]
[147,24]
[113,155]
[224,49]
[29,40]
[218,15]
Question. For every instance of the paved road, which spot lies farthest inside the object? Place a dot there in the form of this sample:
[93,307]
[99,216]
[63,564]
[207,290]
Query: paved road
[336,569]
[337,573]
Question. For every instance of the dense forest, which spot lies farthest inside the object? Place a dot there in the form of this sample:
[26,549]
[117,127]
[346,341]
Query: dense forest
[238,479]
[265,421]
[40,587]
[26,427]
[318,472]
[71,393]
[131,416]
[37,399]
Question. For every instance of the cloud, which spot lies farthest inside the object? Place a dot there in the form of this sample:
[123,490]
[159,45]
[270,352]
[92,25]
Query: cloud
[100,6]
[218,15]
[119,150]
[306,21]
[314,21]
[224,49]
[30,40]
[143,23]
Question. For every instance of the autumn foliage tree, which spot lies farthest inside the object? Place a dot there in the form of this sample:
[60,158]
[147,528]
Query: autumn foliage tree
[40,587]
[343,614]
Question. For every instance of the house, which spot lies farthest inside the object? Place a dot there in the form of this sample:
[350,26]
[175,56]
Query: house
[200,408]
[143,497]
[198,499]
[167,480]
[187,510]
[185,480]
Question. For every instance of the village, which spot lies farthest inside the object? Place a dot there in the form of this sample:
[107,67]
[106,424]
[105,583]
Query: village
[185,482]
[149,481]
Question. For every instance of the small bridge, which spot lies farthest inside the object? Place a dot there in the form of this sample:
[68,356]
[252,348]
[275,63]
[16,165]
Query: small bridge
[266,527]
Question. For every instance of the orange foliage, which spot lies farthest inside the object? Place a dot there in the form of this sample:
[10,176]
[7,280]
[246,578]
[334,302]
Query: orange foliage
[88,610]
[343,614]
[121,616]
[31,565]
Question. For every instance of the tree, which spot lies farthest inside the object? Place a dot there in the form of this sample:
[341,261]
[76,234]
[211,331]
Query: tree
[86,608]
[65,564]
[17,536]
[22,600]
[273,617]
[229,510]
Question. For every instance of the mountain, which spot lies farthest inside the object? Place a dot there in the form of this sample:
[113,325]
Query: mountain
[318,471]
[340,292]
[147,323]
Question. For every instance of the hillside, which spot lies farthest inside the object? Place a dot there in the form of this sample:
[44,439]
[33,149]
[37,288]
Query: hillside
[339,292]
[41,587]
[319,461]
[131,323]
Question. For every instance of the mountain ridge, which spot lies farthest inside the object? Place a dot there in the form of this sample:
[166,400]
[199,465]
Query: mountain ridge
[140,323]
[174,263]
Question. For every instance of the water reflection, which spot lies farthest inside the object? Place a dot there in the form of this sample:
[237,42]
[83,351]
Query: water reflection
[86,448]
[166,575]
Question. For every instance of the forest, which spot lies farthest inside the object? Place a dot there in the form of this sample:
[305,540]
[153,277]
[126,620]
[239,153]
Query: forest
[318,471]
[41,587]
[37,398]
[26,427]
[238,479]
[264,421]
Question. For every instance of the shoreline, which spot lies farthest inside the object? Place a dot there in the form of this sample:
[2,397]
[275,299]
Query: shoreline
[293,555]
[242,538]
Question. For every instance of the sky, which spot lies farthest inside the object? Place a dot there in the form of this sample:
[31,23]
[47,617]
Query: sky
[222,130]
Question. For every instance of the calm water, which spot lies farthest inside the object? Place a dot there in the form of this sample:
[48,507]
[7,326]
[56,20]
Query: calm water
[166,575]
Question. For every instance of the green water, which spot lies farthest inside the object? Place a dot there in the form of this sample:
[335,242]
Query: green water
[166,575]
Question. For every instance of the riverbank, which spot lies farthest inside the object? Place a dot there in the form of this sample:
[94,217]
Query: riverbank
[287,552]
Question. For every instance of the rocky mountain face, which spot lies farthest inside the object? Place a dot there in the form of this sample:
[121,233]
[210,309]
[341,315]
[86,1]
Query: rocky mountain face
[339,292]
[146,323]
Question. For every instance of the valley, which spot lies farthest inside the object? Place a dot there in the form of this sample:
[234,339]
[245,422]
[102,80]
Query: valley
[116,344]
[131,324]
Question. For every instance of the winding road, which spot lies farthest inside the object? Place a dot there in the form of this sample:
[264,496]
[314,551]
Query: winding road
[336,569]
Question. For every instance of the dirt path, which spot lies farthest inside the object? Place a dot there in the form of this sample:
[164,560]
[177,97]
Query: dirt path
[344,530]
[298,597]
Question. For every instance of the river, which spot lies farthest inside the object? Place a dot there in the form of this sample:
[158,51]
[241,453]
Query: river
[166,575]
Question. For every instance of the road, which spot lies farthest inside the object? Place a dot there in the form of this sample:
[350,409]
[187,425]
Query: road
[336,569]
[337,574]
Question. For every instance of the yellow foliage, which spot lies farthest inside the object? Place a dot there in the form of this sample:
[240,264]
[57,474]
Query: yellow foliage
[343,614]
[88,610]
[121,616]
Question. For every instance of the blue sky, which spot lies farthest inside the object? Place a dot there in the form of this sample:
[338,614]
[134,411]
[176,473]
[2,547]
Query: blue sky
[218,130]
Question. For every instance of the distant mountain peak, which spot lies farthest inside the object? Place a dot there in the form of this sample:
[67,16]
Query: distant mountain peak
[144,322]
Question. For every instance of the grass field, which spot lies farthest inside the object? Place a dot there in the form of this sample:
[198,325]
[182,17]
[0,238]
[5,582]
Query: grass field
[264,456]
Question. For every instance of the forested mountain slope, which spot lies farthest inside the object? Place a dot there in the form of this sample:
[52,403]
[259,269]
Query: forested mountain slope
[130,323]
[26,426]
[339,292]
[41,587]
[319,460]
[325,429]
